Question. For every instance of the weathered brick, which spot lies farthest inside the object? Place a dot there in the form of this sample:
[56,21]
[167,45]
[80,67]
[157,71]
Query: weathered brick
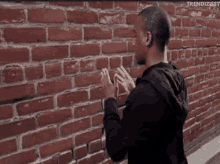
[39,137]
[25,35]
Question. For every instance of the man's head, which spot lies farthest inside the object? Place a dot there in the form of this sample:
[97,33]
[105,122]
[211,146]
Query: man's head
[152,32]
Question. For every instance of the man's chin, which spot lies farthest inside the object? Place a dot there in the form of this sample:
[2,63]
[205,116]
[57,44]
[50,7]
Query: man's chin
[141,61]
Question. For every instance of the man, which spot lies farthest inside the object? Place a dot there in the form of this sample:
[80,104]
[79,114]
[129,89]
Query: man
[151,130]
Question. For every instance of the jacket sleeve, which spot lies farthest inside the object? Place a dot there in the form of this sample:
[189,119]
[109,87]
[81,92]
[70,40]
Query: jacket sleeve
[142,119]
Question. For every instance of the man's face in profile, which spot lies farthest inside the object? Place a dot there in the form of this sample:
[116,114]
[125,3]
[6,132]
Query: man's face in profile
[141,49]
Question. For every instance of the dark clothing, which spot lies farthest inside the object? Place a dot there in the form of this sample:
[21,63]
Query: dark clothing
[151,130]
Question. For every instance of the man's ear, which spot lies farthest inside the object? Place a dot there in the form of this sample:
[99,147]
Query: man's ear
[147,38]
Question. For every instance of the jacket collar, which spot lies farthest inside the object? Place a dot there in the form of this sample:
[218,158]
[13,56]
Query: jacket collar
[159,65]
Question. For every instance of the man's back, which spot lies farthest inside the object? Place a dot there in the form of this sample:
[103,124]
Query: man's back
[151,128]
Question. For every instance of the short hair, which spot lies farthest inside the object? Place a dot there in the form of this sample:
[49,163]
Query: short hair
[155,21]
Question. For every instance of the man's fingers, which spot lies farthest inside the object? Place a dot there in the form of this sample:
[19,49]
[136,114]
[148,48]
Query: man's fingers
[121,72]
[119,77]
[107,75]
[125,72]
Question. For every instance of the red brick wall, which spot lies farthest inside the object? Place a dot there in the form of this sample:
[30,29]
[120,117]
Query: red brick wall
[51,55]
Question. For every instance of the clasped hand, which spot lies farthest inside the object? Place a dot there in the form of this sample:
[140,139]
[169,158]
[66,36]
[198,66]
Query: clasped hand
[124,80]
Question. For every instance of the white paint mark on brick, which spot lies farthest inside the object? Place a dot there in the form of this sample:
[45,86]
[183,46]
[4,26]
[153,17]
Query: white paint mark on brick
[26,105]
[196,14]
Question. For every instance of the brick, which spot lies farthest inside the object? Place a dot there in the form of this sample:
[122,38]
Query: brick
[110,48]
[101,5]
[80,152]
[126,6]
[13,55]
[127,61]
[211,42]
[85,50]
[23,157]
[211,24]
[199,60]
[217,15]
[84,161]
[88,136]
[175,44]
[206,33]
[115,62]
[110,18]
[193,71]
[96,158]
[71,98]
[187,22]
[206,14]
[131,47]
[201,43]
[17,127]
[189,82]
[209,76]
[131,18]
[25,35]
[188,123]
[124,32]
[58,146]
[176,21]
[189,43]
[79,16]
[33,106]
[200,52]
[74,127]
[204,84]
[172,33]
[64,34]
[194,53]
[101,63]
[194,33]
[17,92]
[49,53]
[182,11]
[34,72]
[200,78]
[174,55]
[53,69]
[6,112]
[145,4]
[88,110]
[12,74]
[67,4]
[50,87]
[87,65]
[8,15]
[51,160]
[97,33]
[71,67]
[46,16]
[39,137]
[201,22]
[97,120]
[53,117]
[8,146]
[95,146]
[211,59]
[85,80]
[215,33]
[96,93]
[65,158]
[169,8]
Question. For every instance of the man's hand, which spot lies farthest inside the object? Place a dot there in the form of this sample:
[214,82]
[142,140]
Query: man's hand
[125,80]
[109,89]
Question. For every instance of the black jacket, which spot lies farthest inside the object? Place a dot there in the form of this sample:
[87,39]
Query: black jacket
[151,130]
